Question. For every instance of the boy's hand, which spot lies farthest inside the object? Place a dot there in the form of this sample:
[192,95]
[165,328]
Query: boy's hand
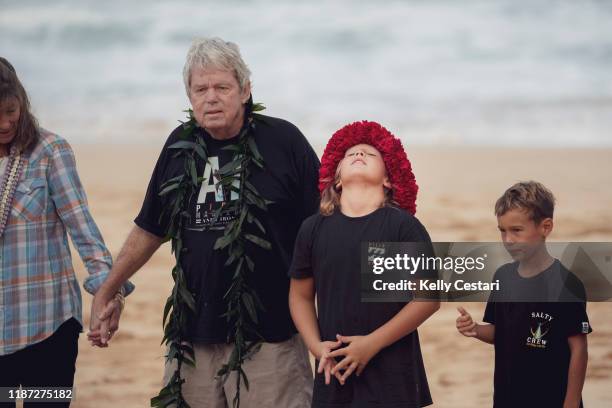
[465,324]
[357,354]
[326,363]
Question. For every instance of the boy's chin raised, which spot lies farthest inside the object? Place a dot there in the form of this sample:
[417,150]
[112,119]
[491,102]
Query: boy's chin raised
[361,179]
[360,173]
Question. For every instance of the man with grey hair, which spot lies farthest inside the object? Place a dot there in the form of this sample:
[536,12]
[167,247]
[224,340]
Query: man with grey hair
[218,85]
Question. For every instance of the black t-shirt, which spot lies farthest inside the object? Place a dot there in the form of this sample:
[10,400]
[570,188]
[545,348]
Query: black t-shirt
[531,348]
[328,249]
[289,179]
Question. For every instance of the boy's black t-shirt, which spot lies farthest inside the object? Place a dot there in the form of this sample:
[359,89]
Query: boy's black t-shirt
[328,249]
[532,353]
[289,179]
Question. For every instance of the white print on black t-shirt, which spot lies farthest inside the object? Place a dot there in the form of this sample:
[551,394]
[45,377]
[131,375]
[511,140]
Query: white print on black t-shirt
[375,250]
[211,197]
[539,327]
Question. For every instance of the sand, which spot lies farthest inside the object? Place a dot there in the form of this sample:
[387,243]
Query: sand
[457,190]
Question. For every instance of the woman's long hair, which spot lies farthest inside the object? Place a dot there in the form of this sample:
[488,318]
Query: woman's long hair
[27,133]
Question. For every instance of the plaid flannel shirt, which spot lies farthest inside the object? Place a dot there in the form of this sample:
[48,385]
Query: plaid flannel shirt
[38,287]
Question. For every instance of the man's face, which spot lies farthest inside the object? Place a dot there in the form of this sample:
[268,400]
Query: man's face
[9,118]
[363,162]
[217,101]
[521,236]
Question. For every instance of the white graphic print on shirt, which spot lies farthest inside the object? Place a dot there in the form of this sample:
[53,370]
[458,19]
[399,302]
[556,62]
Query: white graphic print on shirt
[213,196]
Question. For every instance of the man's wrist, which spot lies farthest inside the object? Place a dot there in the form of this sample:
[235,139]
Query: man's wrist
[107,291]
[120,298]
[104,292]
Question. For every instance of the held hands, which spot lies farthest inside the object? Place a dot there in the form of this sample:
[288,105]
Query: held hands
[326,363]
[465,324]
[357,354]
[104,322]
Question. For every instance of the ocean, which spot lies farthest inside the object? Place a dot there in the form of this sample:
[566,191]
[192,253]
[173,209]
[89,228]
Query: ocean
[472,73]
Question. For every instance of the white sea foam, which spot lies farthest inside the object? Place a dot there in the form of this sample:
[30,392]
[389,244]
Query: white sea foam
[503,73]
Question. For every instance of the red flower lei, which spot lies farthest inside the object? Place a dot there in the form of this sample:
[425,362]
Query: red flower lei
[398,166]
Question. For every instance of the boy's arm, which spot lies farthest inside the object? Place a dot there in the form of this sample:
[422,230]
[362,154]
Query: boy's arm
[577,370]
[302,307]
[469,328]
[361,349]
[485,332]
[407,320]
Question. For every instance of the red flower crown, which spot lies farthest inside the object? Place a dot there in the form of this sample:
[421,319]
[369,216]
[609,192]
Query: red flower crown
[399,169]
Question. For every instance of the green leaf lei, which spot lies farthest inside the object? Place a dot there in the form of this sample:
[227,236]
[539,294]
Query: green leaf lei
[242,301]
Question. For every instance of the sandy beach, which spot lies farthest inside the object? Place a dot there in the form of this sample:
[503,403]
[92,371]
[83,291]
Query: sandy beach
[457,190]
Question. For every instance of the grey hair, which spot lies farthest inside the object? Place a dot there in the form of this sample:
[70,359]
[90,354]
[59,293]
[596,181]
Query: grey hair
[218,53]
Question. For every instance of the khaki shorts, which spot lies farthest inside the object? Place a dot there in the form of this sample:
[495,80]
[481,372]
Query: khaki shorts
[279,374]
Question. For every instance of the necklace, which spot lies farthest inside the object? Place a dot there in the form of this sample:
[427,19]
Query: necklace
[8,183]
[242,301]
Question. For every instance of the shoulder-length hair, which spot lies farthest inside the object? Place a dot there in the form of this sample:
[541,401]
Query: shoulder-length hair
[27,133]
[330,196]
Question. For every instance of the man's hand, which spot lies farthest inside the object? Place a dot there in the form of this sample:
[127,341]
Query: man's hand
[465,324]
[104,321]
[105,309]
[357,354]
[326,363]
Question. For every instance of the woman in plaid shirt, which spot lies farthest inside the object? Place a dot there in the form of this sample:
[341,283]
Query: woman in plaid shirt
[41,200]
